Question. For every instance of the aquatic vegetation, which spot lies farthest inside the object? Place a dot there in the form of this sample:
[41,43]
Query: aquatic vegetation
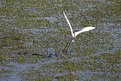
[28,28]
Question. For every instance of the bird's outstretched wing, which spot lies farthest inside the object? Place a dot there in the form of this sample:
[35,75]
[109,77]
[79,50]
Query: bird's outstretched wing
[84,30]
[69,24]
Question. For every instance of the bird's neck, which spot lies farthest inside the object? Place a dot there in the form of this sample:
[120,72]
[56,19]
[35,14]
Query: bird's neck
[74,36]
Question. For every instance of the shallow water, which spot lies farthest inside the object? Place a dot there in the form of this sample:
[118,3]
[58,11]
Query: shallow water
[33,35]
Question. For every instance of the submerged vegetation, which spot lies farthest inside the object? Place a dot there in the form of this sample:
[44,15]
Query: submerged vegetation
[34,33]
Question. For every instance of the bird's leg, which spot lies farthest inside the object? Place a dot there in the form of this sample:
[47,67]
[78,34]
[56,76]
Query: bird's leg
[67,46]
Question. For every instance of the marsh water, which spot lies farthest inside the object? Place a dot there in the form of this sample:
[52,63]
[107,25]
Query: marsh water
[33,34]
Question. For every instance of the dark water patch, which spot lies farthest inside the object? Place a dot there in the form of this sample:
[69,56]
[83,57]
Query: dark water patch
[1,35]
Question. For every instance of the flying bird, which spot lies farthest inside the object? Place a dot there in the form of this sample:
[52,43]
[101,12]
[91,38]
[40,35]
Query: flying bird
[74,34]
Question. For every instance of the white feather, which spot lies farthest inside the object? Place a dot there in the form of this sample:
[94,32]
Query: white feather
[69,24]
[83,30]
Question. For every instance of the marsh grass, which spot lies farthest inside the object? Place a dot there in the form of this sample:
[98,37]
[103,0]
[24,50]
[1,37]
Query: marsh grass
[93,51]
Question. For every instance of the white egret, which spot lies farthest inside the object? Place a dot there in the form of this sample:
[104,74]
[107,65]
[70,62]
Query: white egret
[74,34]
